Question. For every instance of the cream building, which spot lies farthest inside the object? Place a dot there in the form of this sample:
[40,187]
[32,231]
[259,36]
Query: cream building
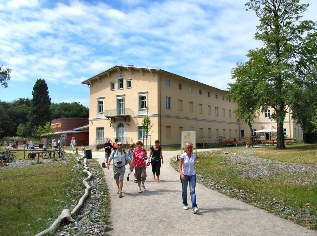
[122,96]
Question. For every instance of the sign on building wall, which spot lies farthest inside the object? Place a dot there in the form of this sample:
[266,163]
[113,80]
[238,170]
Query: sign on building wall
[188,137]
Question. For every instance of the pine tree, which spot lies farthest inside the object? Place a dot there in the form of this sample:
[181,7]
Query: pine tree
[40,106]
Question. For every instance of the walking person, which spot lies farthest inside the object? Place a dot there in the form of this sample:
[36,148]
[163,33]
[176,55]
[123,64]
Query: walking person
[188,175]
[115,144]
[130,153]
[156,159]
[139,157]
[107,146]
[73,143]
[120,159]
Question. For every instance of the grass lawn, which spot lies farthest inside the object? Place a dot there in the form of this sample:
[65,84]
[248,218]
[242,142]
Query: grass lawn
[291,195]
[33,196]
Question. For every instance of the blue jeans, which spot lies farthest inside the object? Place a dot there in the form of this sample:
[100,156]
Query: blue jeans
[192,185]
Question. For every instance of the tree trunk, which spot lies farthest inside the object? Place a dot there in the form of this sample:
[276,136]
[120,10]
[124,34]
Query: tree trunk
[280,135]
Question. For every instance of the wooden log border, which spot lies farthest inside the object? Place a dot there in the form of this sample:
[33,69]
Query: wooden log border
[66,216]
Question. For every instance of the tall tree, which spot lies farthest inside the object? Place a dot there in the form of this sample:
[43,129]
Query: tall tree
[40,106]
[4,76]
[282,67]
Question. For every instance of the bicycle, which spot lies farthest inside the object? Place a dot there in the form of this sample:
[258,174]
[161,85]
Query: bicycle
[7,157]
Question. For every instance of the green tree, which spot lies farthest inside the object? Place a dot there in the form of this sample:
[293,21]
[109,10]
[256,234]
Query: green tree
[43,129]
[21,130]
[146,127]
[69,110]
[5,75]
[40,106]
[282,67]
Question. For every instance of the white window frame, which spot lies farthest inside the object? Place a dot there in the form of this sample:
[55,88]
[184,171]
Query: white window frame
[100,134]
[120,106]
[112,86]
[100,107]
[267,113]
[120,83]
[129,83]
[168,83]
[143,103]
[216,111]
[141,132]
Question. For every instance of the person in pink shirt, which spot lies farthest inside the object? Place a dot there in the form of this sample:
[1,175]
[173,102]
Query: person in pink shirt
[139,157]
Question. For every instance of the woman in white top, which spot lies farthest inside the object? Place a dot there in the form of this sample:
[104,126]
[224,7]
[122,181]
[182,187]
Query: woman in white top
[188,175]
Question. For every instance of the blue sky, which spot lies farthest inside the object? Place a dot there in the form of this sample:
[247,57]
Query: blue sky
[66,42]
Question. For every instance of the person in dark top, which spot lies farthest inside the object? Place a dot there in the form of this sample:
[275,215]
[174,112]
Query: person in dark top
[107,146]
[156,159]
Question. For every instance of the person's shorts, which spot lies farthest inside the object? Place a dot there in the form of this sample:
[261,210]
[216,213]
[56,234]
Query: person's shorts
[140,172]
[118,172]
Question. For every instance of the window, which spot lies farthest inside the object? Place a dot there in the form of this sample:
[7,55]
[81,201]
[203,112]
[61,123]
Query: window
[216,111]
[168,83]
[224,133]
[200,92]
[253,132]
[191,107]
[267,113]
[120,83]
[217,133]
[168,102]
[242,133]
[230,115]
[216,96]
[141,132]
[190,89]
[168,132]
[209,94]
[223,98]
[180,130]
[209,110]
[201,132]
[223,112]
[120,106]
[100,106]
[209,132]
[230,133]
[142,103]
[201,108]
[180,87]
[99,135]
[111,86]
[284,130]
[180,105]
[129,83]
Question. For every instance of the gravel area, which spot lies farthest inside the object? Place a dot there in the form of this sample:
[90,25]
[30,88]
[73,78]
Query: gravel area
[91,218]
[253,167]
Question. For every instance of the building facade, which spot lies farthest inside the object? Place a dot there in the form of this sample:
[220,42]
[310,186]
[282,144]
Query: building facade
[122,96]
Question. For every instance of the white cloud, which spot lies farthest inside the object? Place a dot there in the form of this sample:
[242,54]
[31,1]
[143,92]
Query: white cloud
[70,41]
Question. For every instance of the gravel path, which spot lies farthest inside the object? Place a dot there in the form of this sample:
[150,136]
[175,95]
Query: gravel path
[158,211]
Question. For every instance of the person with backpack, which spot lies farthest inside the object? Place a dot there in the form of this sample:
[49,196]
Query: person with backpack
[120,159]
[139,157]
[156,159]
[130,153]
